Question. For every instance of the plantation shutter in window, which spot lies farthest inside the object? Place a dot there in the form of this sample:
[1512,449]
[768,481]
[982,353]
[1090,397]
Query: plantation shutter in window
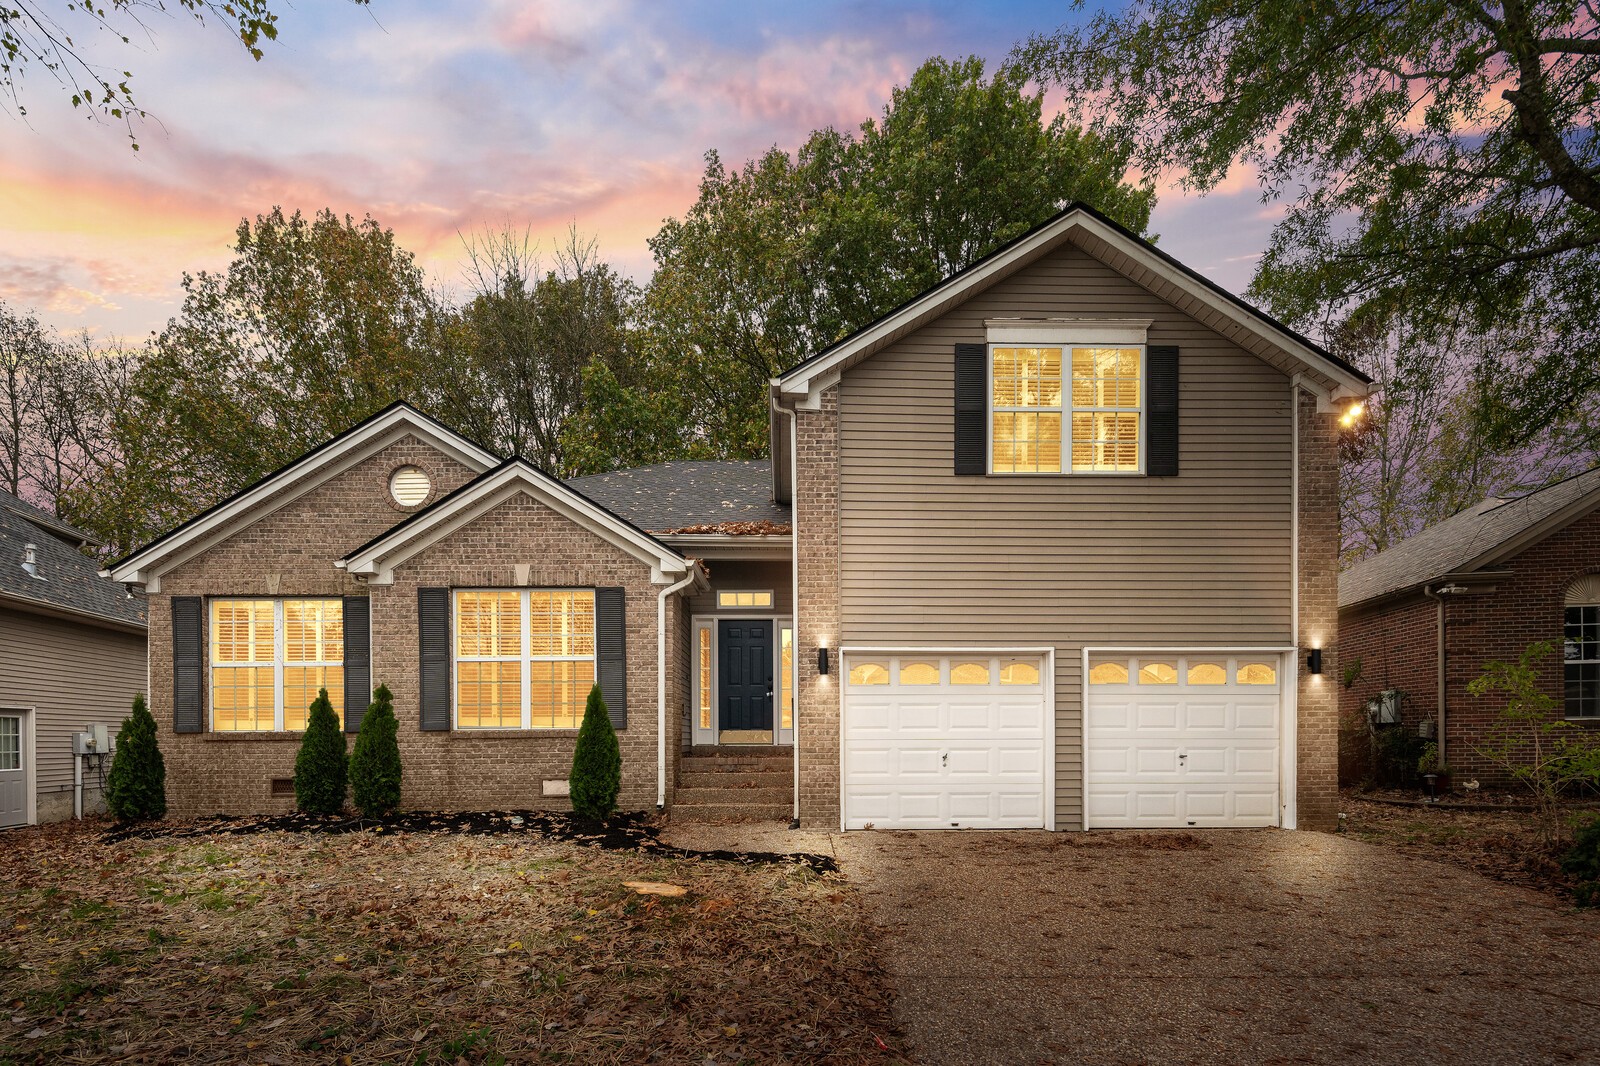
[357,661]
[611,658]
[972,432]
[433,656]
[1162,430]
[188,641]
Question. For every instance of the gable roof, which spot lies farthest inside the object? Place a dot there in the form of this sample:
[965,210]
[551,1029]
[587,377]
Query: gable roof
[1121,249]
[376,559]
[291,481]
[1489,532]
[686,494]
[68,582]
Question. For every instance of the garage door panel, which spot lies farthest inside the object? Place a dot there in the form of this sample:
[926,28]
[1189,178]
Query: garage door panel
[937,756]
[1181,754]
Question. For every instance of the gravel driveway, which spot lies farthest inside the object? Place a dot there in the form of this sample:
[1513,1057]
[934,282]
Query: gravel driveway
[1239,947]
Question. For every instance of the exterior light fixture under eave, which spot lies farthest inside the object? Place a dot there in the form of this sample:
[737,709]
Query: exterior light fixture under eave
[1352,414]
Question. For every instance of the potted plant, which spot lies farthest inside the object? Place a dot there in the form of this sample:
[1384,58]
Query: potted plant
[1435,773]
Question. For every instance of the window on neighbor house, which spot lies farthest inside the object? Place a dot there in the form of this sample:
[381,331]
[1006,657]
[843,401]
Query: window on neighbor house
[1581,668]
[1100,401]
[270,657]
[525,658]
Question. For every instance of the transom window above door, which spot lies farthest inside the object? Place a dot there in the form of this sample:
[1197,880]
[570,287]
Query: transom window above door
[745,598]
[1078,405]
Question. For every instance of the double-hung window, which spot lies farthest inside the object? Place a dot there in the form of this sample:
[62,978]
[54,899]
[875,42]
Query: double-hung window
[1581,668]
[525,658]
[1058,404]
[270,657]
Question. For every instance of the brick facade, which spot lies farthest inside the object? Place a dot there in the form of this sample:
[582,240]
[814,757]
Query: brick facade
[1398,642]
[291,552]
[1317,717]
[816,518]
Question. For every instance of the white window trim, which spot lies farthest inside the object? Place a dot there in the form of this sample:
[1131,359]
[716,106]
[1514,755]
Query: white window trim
[1565,662]
[780,622]
[525,659]
[1066,338]
[212,663]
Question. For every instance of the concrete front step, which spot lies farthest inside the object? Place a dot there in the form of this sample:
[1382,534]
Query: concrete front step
[735,767]
[734,780]
[739,751]
[713,813]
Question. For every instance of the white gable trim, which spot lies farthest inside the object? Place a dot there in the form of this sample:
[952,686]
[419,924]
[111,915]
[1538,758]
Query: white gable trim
[312,470]
[376,562]
[803,383]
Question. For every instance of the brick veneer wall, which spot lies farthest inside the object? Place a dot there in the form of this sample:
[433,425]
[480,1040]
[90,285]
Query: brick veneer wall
[1395,644]
[470,769]
[289,552]
[1317,721]
[1525,607]
[816,518]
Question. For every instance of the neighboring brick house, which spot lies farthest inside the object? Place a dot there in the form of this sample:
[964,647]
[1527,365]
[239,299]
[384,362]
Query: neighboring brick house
[72,655]
[1050,546]
[1427,614]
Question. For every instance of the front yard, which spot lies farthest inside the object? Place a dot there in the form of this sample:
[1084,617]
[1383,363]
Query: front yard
[424,947]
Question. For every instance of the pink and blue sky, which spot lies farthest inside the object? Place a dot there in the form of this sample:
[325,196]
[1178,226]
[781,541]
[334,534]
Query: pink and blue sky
[440,118]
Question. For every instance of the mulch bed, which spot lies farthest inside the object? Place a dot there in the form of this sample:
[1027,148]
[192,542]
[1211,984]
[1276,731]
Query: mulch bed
[622,832]
[1502,843]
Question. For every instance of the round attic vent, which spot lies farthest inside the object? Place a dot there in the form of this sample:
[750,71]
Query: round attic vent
[409,486]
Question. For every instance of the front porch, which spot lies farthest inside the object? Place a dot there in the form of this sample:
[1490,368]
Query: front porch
[735,783]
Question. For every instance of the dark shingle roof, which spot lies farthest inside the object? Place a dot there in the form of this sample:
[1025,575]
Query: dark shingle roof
[68,579]
[1460,540]
[688,493]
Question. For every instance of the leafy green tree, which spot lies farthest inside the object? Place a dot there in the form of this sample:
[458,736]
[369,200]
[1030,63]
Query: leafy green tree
[375,762]
[314,326]
[781,257]
[596,776]
[47,34]
[1438,158]
[136,788]
[321,769]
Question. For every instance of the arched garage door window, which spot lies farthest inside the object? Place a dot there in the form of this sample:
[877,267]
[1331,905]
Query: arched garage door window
[1582,648]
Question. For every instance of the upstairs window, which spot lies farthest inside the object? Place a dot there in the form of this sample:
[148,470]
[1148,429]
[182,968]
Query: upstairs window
[1091,398]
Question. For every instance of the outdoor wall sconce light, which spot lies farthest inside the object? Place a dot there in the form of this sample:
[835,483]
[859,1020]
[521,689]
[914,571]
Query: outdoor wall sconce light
[1314,661]
[822,661]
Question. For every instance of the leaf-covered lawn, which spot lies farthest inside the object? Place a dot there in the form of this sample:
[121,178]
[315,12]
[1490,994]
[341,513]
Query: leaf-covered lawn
[424,947]
[1504,845]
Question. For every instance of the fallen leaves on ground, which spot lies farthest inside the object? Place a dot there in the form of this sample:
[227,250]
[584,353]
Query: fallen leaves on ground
[1504,845]
[281,947]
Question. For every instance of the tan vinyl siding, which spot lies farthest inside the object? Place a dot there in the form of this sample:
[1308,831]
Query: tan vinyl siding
[930,558]
[72,674]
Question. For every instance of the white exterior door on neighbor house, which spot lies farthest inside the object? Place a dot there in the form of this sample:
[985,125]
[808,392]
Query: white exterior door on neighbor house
[13,771]
[1185,739]
[941,740]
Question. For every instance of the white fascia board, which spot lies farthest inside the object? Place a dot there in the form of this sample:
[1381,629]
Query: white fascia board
[810,377]
[730,546]
[377,562]
[1068,331]
[148,565]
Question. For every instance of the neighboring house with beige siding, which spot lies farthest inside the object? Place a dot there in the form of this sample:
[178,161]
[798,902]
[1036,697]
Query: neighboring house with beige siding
[1053,545]
[72,655]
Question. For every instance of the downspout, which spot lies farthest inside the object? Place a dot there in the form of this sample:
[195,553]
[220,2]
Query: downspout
[1294,524]
[794,601]
[661,680]
[1437,596]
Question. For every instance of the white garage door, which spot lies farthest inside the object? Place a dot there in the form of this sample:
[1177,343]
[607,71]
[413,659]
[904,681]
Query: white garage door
[944,741]
[1183,740]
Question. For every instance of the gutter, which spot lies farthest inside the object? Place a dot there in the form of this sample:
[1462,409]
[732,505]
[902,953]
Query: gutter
[779,411]
[1437,594]
[661,680]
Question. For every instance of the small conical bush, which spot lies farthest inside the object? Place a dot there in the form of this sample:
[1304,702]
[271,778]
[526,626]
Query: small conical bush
[597,763]
[321,769]
[375,762]
[137,786]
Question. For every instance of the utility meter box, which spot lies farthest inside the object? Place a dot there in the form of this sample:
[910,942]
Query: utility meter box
[95,739]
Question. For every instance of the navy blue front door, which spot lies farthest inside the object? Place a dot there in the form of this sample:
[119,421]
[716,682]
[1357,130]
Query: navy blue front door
[745,650]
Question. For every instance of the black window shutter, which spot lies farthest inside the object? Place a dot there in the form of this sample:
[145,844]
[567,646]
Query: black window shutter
[1161,433]
[972,432]
[357,661]
[611,653]
[188,648]
[433,657]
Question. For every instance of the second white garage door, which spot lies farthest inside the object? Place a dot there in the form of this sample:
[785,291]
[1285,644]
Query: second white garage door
[1183,740]
[953,741]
